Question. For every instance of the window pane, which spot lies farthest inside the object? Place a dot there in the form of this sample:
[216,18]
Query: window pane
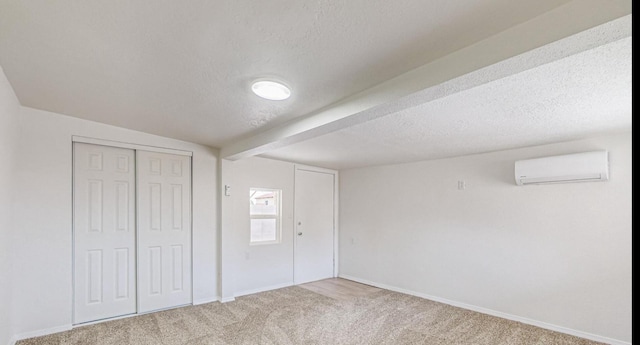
[264,214]
[263,202]
[263,230]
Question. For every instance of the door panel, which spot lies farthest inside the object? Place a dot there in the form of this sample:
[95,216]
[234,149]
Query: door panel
[104,232]
[164,230]
[314,214]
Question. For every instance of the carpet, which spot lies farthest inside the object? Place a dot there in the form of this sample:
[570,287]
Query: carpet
[294,315]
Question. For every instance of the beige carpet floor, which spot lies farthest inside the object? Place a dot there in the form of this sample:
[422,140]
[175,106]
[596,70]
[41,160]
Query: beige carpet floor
[295,315]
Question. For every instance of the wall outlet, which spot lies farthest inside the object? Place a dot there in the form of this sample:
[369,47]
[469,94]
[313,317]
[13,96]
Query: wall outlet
[461,184]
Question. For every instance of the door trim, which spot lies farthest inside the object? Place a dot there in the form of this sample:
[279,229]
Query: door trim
[124,145]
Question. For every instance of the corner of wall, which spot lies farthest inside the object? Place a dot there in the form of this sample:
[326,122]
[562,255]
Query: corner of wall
[9,131]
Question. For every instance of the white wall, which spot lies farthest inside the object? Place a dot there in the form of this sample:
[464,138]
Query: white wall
[42,244]
[9,125]
[555,254]
[250,268]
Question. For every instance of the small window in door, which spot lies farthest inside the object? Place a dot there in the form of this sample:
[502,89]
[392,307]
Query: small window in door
[265,215]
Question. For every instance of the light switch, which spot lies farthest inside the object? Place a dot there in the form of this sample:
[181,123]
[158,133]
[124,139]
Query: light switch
[227,190]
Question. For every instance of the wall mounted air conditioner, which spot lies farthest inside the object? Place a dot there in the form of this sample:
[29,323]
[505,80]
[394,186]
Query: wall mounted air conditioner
[577,167]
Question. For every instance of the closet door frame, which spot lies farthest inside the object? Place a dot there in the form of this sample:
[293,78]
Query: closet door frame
[135,147]
[124,145]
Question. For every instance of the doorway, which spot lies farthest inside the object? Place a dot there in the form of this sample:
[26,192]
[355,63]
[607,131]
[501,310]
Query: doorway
[315,220]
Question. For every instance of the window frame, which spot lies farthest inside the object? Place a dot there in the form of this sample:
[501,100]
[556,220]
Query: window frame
[277,216]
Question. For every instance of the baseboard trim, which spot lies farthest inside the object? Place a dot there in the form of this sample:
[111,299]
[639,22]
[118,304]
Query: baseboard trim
[227,299]
[263,289]
[206,300]
[507,316]
[39,333]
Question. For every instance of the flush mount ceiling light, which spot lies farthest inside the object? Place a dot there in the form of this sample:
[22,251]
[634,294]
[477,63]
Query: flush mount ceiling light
[271,90]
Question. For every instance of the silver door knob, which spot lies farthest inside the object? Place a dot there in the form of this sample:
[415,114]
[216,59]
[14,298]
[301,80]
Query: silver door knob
[299,234]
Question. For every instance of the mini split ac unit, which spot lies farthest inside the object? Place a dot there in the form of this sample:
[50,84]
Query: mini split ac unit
[577,167]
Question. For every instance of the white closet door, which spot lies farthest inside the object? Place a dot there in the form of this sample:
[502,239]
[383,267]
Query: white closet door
[164,230]
[104,232]
[314,214]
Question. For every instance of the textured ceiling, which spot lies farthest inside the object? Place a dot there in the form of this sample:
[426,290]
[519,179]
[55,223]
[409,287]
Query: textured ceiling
[183,69]
[579,96]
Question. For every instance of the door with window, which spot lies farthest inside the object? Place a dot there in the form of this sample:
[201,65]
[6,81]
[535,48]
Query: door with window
[314,224]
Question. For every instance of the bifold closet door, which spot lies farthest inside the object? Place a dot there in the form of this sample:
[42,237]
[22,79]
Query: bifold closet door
[104,232]
[164,230]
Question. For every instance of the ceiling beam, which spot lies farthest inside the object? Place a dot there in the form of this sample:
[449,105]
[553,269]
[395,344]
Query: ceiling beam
[512,51]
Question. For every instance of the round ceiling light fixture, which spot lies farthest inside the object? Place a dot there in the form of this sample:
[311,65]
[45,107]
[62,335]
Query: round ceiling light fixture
[271,90]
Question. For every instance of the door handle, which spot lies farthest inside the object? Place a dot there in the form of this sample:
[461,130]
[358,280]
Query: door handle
[300,234]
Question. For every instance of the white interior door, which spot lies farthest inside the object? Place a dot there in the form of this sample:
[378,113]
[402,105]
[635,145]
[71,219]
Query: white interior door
[104,232]
[164,230]
[314,217]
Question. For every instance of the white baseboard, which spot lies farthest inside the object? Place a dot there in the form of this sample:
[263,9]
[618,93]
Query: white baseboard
[206,300]
[524,320]
[536,323]
[263,289]
[227,299]
[39,333]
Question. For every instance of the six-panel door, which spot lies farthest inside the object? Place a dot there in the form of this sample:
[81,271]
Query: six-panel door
[164,230]
[104,232]
[132,231]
